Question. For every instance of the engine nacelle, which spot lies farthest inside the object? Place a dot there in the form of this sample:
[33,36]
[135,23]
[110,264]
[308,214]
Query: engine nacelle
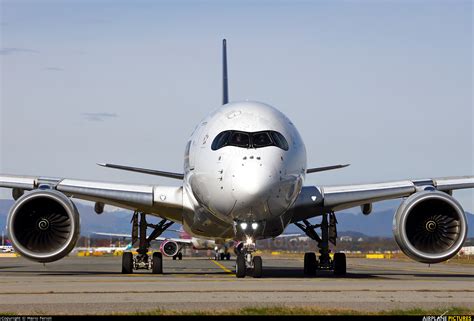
[169,248]
[43,225]
[430,226]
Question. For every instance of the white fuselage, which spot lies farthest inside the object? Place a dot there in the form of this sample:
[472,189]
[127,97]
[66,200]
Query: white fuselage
[242,181]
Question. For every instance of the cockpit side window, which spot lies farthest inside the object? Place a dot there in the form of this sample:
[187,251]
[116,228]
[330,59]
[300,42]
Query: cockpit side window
[221,140]
[280,140]
[249,140]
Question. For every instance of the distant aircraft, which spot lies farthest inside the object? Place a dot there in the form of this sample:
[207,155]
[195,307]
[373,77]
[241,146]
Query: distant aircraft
[106,249]
[170,247]
[244,172]
[6,246]
[6,249]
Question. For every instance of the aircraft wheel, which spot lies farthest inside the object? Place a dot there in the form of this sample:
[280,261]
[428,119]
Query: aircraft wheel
[174,257]
[227,256]
[222,256]
[310,264]
[157,263]
[240,266]
[180,256]
[127,263]
[339,264]
[257,267]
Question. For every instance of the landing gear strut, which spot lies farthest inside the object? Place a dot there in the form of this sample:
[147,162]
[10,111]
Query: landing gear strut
[328,234]
[246,262]
[142,260]
[221,254]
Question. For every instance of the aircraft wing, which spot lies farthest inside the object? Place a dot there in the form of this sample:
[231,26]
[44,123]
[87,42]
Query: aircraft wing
[314,200]
[177,240]
[166,201]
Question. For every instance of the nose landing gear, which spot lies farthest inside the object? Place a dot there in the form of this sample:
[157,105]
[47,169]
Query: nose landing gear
[247,263]
[142,260]
[328,234]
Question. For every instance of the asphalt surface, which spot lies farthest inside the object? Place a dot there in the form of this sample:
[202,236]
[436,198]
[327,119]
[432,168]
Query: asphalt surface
[94,285]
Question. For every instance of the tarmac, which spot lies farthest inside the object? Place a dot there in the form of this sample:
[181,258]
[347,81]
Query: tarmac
[94,285]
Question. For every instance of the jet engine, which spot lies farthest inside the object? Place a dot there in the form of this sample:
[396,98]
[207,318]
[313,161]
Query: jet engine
[43,225]
[169,248]
[430,226]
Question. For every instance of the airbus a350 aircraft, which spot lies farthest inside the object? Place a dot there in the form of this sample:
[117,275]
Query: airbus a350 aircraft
[244,172]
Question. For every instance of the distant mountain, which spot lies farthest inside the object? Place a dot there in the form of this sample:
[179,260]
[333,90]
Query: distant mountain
[379,223]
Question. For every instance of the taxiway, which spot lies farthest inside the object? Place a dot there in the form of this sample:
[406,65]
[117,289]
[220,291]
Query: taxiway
[94,285]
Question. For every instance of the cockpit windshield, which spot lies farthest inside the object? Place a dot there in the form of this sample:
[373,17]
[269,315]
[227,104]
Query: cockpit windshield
[249,140]
[239,139]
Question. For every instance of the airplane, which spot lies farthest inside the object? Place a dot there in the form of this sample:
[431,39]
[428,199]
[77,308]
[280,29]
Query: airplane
[243,179]
[6,249]
[172,247]
[105,249]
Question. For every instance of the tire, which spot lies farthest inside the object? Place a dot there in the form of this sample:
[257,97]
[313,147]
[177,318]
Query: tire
[157,267]
[240,266]
[127,263]
[310,264]
[174,257]
[339,264]
[227,256]
[222,255]
[257,267]
[180,256]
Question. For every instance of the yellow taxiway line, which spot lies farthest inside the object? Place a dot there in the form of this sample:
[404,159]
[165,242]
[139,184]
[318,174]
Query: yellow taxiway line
[222,267]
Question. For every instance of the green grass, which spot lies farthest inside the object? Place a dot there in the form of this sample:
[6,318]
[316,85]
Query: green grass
[278,310]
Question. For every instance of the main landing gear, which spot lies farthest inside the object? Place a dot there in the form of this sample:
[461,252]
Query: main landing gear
[328,234]
[142,260]
[246,262]
[221,254]
[178,256]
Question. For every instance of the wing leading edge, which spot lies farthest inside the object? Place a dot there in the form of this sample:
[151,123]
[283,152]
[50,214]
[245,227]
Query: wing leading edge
[314,200]
[165,201]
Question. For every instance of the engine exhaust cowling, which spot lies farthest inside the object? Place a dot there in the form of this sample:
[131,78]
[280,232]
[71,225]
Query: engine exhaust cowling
[43,225]
[430,226]
[169,248]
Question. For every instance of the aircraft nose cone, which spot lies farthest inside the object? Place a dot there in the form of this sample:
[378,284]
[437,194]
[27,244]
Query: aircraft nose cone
[252,182]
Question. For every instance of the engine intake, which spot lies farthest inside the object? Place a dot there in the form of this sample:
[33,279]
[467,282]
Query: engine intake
[169,248]
[43,225]
[430,226]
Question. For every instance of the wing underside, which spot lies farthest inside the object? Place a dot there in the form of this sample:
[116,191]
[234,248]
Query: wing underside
[314,200]
[164,201]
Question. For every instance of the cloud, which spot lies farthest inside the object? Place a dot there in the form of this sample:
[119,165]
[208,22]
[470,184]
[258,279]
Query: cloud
[98,116]
[12,51]
[53,69]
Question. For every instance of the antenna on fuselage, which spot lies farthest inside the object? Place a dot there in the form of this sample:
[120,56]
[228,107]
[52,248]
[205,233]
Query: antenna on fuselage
[225,87]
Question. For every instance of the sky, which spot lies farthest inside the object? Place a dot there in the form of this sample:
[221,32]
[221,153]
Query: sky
[383,85]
